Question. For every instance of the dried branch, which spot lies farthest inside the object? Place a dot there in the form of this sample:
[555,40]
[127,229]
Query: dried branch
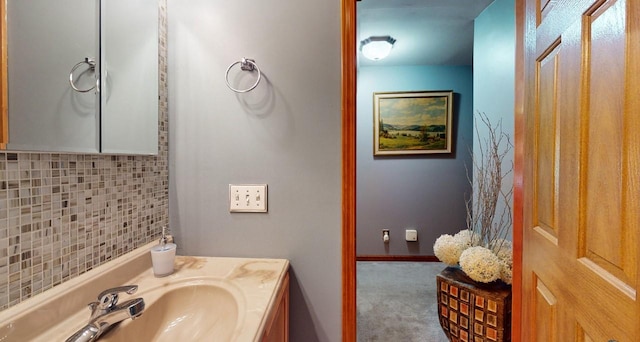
[489,215]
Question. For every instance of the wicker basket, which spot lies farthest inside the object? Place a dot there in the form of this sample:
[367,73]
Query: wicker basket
[470,311]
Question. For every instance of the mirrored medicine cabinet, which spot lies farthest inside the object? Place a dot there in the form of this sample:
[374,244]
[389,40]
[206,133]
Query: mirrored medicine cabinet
[80,76]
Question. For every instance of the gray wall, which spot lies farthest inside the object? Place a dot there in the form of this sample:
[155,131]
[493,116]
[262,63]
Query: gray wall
[285,133]
[426,193]
[494,70]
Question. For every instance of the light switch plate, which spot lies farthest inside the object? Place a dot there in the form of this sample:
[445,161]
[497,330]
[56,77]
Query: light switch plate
[248,198]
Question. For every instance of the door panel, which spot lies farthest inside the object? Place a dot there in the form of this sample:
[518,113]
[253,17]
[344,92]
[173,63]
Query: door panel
[583,336]
[547,141]
[603,34]
[546,313]
[582,164]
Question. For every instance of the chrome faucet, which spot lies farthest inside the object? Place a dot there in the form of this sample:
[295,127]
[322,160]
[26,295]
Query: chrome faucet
[106,312]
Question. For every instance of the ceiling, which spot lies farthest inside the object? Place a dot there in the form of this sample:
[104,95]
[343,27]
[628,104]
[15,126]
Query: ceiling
[427,32]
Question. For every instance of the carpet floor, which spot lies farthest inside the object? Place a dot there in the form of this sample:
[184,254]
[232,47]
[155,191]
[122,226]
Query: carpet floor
[396,302]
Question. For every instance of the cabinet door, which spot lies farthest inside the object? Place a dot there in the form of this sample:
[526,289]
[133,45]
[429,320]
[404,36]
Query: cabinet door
[278,327]
[45,40]
[129,76]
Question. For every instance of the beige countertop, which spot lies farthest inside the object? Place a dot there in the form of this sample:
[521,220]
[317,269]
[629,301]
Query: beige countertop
[57,313]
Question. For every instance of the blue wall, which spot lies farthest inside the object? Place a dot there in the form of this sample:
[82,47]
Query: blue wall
[426,193]
[494,70]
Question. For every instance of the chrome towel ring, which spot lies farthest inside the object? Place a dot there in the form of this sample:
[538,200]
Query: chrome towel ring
[245,65]
[92,66]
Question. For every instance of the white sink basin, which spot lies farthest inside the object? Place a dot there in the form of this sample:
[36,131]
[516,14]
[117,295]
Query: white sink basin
[183,312]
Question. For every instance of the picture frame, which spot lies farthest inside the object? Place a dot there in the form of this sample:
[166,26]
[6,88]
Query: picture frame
[409,123]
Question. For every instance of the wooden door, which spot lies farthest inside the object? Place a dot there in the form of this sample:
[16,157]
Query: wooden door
[581,171]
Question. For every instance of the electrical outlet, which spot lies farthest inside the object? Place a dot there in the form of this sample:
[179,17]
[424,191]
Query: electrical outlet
[411,235]
[248,198]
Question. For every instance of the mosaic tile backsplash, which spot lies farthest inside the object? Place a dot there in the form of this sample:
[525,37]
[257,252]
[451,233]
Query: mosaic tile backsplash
[64,214]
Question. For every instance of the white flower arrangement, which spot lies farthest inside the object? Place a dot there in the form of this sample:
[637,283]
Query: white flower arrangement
[481,250]
[480,263]
[448,249]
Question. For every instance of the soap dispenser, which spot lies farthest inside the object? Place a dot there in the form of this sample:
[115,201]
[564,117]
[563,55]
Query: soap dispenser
[163,256]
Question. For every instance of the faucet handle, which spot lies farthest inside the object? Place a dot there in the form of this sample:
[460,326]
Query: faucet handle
[128,289]
[109,298]
[93,306]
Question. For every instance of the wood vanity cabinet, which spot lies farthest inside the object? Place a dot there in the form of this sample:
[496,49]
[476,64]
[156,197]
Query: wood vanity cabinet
[277,328]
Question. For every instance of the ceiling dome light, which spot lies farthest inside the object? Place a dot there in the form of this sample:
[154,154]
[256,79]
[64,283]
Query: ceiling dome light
[377,47]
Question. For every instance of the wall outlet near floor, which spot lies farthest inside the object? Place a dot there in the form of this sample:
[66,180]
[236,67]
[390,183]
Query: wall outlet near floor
[248,198]
[385,235]
[411,235]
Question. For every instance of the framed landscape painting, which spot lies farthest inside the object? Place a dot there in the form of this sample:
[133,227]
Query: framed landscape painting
[412,122]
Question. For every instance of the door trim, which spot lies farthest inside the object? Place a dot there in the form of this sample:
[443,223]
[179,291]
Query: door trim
[348,102]
[518,172]
[4,93]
